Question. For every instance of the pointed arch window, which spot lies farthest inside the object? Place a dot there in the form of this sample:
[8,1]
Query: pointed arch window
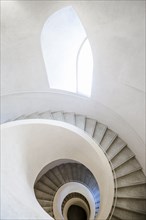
[67,53]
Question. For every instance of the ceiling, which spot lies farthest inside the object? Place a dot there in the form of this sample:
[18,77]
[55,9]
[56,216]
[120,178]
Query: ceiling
[116,31]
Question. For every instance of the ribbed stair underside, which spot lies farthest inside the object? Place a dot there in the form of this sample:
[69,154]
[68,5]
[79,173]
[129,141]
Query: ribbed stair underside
[47,186]
[131,181]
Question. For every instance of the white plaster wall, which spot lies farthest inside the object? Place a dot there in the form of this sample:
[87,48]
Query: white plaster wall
[29,146]
[116,31]
[71,188]
[19,104]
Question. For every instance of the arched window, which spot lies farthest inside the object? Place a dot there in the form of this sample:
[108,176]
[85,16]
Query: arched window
[67,53]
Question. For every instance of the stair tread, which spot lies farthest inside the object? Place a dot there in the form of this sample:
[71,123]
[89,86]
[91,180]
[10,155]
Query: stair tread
[116,153]
[47,189]
[117,217]
[46,115]
[133,184]
[123,162]
[128,173]
[45,200]
[90,126]
[80,121]
[69,117]
[108,139]
[33,115]
[43,191]
[58,115]
[132,210]
[20,117]
[44,179]
[132,197]
[99,132]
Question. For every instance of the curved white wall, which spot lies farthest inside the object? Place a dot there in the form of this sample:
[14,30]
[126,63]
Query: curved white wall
[116,31]
[28,146]
[19,104]
[71,188]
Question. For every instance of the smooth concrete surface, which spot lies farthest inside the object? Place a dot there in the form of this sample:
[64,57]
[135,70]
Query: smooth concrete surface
[116,32]
[28,146]
[70,188]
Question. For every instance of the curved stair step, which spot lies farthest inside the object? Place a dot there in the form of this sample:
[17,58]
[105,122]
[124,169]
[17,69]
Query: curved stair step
[58,175]
[132,184]
[63,172]
[99,132]
[45,115]
[132,204]
[44,188]
[45,203]
[108,139]
[68,170]
[130,197]
[126,173]
[53,178]
[69,117]
[58,116]
[132,191]
[129,214]
[80,121]
[90,125]
[88,177]
[43,196]
[74,172]
[44,179]
[131,178]
[115,148]
[49,210]
[33,115]
[21,117]
[126,160]
[114,217]
[127,166]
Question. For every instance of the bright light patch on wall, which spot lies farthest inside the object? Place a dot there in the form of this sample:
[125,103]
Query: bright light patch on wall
[84,69]
[67,55]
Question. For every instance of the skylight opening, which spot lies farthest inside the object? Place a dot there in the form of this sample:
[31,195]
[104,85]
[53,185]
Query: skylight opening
[67,53]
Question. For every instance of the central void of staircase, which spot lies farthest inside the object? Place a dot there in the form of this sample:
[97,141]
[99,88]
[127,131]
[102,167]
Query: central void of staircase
[31,146]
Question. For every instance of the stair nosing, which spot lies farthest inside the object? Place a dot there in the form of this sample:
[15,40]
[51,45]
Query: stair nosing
[58,112]
[131,197]
[131,210]
[123,146]
[117,217]
[50,180]
[130,172]
[46,185]
[132,184]
[49,194]
[111,142]
[103,134]
[123,162]
[93,128]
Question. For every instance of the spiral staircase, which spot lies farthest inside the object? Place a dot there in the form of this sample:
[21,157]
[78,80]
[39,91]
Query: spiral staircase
[130,181]
[48,185]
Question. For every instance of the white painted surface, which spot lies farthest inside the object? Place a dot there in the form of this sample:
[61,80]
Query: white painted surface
[116,30]
[71,188]
[19,104]
[28,146]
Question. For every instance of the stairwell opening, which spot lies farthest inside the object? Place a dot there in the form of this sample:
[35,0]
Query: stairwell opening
[68,185]
[76,212]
